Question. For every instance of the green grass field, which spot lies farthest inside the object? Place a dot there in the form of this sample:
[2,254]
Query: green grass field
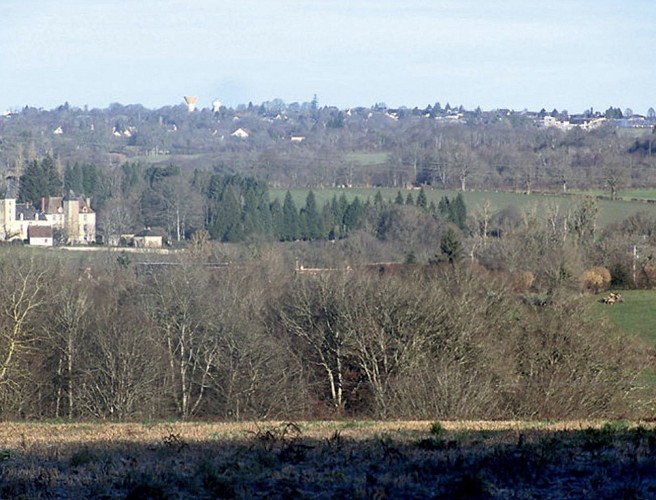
[638,194]
[636,315]
[645,194]
[367,159]
[609,211]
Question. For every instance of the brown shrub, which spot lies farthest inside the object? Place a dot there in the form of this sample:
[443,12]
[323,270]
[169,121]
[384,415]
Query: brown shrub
[595,279]
[522,280]
[647,276]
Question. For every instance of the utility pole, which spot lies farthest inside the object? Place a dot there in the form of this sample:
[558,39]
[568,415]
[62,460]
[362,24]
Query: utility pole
[635,260]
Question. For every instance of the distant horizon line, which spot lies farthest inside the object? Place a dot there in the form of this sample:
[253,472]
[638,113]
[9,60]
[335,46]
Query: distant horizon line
[381,104]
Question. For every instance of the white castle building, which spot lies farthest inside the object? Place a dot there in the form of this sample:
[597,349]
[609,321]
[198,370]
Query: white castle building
[72,215]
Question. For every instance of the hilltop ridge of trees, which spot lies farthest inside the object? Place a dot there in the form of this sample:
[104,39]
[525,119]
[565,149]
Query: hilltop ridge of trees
[312,146]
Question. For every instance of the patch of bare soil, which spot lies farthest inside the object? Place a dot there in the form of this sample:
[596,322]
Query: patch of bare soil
[356,459]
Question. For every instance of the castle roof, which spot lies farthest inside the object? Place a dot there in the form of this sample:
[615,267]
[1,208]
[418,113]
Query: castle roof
[55,204]
[27,211]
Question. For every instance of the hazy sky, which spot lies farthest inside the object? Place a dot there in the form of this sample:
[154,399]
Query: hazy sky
[565,54]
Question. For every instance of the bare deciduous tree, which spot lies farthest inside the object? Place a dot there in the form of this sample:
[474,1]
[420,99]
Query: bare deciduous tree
[121,375]
[314,315]
[24,292]
[179,302]
[64,332]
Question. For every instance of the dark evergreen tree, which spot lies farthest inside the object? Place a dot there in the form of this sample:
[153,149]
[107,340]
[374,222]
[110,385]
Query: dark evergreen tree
[301,232]
[53,179]
[250,222]
[289,219]
[329,224]
[451,246]
[255,198]
[342,204]
[277,225]
[312,219]
[229,224]
[238,208]
[131,178]
[338,207]
[39,180]
[409,200]
[353,214]
[422,200]
[90,179]
[264,217]
[444,207]
[455,211]
[333,209]
[73,179]
[459,212]
[399,198]
[378,199]
[32,185]
[224,208]
[155,174]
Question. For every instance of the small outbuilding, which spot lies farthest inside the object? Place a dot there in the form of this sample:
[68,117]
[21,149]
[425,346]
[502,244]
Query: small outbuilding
[40,236]
[148,238]
[240,133]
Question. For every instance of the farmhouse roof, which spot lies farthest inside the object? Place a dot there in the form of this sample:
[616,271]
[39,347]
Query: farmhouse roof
[39,232]
[241,133]
[150,232]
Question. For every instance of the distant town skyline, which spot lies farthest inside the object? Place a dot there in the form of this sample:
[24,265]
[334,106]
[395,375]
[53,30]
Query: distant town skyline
[563,54]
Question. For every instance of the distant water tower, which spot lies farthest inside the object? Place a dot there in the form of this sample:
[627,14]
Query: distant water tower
[191,101]
[216,106]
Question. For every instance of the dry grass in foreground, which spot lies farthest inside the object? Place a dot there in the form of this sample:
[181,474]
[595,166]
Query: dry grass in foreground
[356,459]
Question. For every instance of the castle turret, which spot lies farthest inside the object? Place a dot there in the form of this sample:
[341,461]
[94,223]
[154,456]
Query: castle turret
[72,217]
[7,216]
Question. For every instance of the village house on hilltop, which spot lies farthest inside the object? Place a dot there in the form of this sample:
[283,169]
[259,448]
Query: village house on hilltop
[71,214]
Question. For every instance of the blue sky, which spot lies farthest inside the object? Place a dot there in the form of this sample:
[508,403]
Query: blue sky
[564,54]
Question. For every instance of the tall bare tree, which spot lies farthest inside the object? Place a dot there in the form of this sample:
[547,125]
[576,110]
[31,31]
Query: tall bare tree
[65,331]
[24,292]
[314,314]
[179,302]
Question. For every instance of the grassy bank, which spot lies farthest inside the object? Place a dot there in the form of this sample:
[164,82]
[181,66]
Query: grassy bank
[328,460]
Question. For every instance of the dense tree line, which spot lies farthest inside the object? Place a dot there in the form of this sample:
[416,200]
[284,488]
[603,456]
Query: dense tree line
[100,337]
[239,210]
[557,242]
[230,207]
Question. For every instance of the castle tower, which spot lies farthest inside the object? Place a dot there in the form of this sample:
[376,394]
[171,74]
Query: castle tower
[72,217]
[7,216]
